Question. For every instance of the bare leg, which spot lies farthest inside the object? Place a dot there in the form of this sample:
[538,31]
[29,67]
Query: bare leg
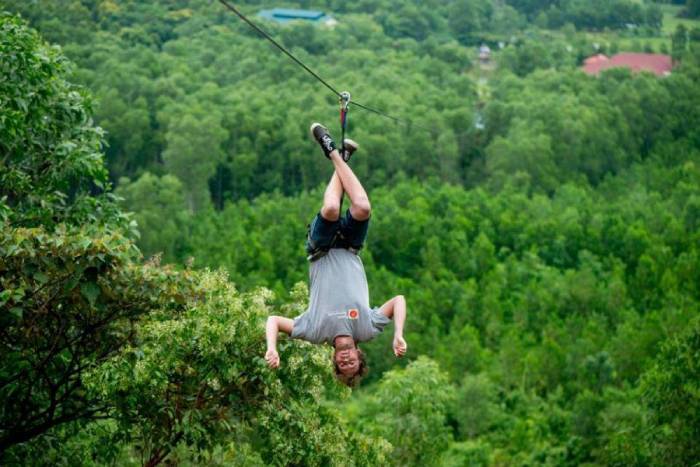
[360,208]
[332,199]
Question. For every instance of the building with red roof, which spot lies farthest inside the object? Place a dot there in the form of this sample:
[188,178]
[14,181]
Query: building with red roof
[658,64]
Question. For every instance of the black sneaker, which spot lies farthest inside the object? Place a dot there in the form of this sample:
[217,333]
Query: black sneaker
[321,135]
[350,147]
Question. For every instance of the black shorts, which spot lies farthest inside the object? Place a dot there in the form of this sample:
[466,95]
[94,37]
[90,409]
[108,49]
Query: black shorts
[346,232]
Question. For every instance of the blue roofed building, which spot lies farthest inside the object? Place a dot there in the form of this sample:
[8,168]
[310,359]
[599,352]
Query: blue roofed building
[287,15]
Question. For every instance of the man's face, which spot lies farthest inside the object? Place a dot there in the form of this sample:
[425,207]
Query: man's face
[346,356]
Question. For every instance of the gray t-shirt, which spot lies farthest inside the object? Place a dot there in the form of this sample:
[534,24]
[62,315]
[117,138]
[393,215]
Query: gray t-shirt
[339,301]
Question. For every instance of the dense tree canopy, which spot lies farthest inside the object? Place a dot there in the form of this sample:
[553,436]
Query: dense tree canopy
[106,355]
[544,229]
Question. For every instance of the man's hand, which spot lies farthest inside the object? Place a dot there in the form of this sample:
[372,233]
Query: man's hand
[272,358]
[396,309]
[400,346]
[274,325]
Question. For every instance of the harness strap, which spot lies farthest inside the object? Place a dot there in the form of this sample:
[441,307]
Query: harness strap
[344,103]
[317,253]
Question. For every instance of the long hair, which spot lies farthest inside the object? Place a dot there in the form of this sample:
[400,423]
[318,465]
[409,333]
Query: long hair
[354,380]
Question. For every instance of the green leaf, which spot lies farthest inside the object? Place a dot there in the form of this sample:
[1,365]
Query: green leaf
[5,296]
[90,291]
[18,294]
[41,278]
[17,312]
[70,285]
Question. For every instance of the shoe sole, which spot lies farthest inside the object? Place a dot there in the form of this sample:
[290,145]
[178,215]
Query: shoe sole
[351,145]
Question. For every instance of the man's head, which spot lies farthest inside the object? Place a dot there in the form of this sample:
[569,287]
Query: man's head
[349,361]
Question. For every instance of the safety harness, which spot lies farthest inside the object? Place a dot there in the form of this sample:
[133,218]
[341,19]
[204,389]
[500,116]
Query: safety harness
[338,241]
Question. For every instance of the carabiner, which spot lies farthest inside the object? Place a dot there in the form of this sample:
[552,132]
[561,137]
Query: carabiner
[344,100]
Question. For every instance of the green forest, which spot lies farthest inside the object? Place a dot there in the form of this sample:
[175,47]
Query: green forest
[156,182]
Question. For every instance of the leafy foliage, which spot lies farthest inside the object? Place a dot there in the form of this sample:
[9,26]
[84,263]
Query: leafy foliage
[164,216]
[70,298]
[671,391]
[197,379]
[51,159]
[409,409]
[545,233]
[70,290]
[103,354]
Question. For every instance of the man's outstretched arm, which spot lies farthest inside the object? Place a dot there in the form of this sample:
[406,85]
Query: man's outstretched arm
[274,325]
[396,309]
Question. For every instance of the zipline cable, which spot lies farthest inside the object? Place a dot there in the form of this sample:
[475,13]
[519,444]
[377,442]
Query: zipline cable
[315,75]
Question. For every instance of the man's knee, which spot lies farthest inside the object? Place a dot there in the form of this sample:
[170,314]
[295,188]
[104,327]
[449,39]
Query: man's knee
[361,210]
[330,211]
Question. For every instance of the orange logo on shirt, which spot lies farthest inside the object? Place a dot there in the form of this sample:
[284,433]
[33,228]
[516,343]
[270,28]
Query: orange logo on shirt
[353,313]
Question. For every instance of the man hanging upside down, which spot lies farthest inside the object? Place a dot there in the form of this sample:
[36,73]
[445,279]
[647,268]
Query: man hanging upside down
[339,311]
